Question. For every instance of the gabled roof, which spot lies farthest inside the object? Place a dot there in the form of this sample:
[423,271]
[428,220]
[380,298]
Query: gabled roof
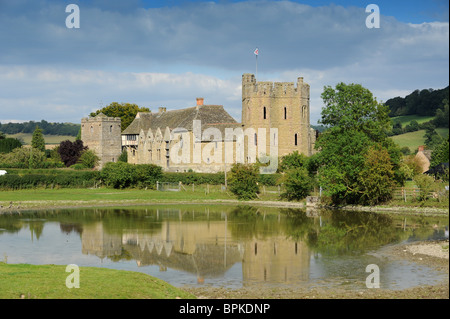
[183,118]
[141,122]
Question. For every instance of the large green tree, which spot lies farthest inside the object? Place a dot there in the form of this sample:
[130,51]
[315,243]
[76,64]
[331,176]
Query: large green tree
[126,111]
[356,122]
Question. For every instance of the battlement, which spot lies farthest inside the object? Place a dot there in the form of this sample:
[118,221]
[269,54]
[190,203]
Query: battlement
[252,88]
[100,118]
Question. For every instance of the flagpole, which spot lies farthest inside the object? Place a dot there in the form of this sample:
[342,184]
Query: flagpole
[256,52]
[256,74]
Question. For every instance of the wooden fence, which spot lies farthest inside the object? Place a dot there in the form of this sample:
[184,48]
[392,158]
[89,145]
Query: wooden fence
[411,193]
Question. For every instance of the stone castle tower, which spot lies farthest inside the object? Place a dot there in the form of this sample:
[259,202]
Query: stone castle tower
[102,134]
[279,105]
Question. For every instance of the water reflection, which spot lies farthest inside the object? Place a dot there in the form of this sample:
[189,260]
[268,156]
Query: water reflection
[217,244]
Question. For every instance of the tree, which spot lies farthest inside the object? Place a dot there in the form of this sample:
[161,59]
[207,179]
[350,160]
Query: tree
[440,154]
[37,141]
[432,138]
[442,116]
[70,152]
[123,157]
[353,107]
[376,178]
[126,111]
[341,159]
[8,144]
[243,181]
[356,123]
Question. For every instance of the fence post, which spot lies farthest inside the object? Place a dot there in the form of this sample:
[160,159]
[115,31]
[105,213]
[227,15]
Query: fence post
[157,185]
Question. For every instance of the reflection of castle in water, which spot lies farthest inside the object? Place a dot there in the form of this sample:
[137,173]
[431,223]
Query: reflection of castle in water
[204,248]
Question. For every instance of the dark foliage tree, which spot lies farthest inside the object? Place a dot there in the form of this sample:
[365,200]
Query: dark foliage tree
[70,152]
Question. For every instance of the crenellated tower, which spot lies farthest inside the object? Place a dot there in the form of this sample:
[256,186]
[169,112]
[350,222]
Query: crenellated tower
[102,134]
[281,105]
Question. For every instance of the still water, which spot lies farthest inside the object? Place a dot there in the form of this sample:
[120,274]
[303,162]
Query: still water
[225,246]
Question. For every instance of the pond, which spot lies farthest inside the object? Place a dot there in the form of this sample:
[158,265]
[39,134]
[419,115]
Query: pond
[225,246]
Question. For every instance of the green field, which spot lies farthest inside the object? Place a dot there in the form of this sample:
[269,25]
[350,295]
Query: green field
[414,139]
[405,119]
[24,281]
[49,139]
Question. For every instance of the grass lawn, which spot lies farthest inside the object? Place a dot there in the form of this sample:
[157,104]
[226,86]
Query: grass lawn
[405,119]
[84,197]
[414,139]
[49,282]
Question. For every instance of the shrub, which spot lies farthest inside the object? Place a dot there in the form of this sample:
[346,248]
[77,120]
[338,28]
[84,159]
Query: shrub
[243,181]
[298,184]
[88,159]
[426,184]
[23,158]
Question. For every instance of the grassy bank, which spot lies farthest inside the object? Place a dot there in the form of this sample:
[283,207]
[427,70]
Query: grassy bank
[83,197]
[49,282]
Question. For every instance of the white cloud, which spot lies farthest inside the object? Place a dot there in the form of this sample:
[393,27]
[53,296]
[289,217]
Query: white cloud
[169,56]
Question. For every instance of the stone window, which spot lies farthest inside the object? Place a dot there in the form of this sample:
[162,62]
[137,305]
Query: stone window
[295,139]
[264,113]
[285,113]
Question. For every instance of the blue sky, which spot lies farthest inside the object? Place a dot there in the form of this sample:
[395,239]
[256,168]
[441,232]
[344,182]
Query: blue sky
[168,52]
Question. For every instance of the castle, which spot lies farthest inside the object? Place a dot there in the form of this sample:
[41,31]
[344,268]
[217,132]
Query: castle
[205,138]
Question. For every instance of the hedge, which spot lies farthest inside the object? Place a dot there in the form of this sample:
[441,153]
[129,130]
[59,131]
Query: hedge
[115,175]
[212,178]
[68,180]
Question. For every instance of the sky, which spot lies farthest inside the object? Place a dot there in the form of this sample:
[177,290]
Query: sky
[166,53]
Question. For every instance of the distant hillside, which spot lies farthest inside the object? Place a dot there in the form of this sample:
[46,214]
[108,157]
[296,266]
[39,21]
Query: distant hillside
[67,129]
[420,102]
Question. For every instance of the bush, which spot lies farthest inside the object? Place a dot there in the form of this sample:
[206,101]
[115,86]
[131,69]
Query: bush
[298,184]
[88,159]
[426,185]
[243,181]
[23,158]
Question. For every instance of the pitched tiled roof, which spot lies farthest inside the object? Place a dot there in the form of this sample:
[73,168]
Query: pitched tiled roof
[207,114]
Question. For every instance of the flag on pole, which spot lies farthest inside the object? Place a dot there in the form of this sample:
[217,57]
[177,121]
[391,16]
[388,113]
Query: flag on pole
[256,51]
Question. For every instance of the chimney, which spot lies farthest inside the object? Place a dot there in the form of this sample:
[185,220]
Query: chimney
[199,101]
[161,110]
